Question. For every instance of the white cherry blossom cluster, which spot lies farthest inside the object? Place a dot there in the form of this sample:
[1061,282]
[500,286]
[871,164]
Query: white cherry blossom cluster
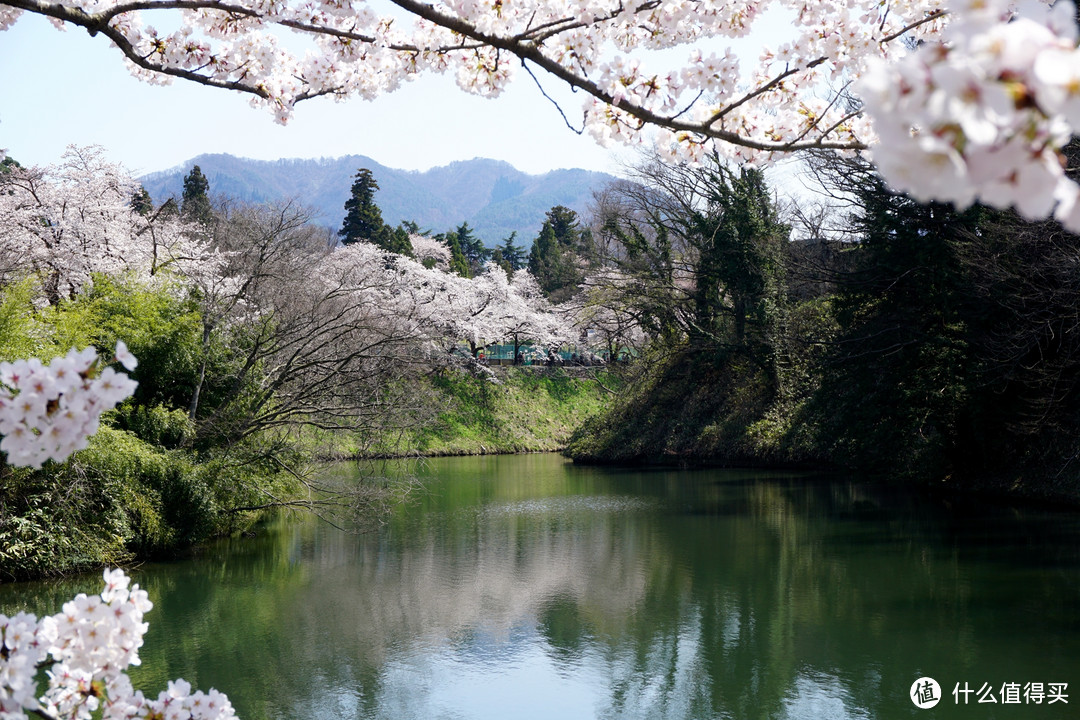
[91,643]
[426,248]
[441,308]
[599,47]
[984,114]
[69,221]
[47,412]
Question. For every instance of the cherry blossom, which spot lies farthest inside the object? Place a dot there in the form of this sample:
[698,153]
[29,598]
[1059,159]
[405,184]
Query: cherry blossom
[983,114]
[984,75]
[71,220]
[440,309]
[48,412]
[432,250]
[91,643]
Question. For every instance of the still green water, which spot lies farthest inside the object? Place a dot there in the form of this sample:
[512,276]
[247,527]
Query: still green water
[522,587]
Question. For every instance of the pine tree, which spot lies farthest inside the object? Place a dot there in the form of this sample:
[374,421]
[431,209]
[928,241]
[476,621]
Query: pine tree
[472,248]
[141,202]
[512,254]
[458,262]
[553,259]
[363,219]
[394,240]
[195,205]
[7,164]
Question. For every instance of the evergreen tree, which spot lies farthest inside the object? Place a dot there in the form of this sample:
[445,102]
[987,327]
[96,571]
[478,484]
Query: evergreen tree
[458,262]
[363,219]
[141,202]
[472,248]
[900,379]
[554,258]
[195,202]
[564,223]
[738,237]
[498,259]
[8,164]
[394,240]
[513,255]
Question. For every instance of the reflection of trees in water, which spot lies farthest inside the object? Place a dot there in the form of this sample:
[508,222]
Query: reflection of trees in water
[683,598]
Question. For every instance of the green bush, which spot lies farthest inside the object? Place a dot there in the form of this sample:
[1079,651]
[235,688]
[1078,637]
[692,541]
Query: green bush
[156,424]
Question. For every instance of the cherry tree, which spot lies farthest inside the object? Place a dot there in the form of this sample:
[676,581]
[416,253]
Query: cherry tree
[986,101]
[602,308]
[47,412]
[431,251]
[522,314]
[71,220]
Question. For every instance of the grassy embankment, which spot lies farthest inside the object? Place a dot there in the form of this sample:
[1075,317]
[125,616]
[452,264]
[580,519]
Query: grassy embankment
[516,410]
[690,410]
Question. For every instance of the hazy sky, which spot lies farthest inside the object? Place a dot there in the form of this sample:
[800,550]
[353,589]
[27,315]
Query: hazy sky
[60,88]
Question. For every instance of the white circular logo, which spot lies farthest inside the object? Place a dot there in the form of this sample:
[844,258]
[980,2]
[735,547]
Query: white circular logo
[925,693]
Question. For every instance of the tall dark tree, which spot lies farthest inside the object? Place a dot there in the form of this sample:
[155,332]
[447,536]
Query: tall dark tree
[737,235]
[897,390]
[458,262]
[555,258]
[363,219]
[472,248]
[705,246]
[512,254]
[141,201]
[394,240]
[195,202]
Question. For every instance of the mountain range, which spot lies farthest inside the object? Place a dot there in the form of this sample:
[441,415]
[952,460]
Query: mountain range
[492,196]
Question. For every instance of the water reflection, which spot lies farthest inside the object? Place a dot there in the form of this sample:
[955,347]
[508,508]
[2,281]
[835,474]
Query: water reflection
[523,587]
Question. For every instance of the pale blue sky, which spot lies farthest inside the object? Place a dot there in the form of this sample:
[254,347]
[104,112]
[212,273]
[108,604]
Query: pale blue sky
[60,88]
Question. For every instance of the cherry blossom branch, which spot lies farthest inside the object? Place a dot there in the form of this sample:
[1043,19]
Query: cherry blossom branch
[935,15]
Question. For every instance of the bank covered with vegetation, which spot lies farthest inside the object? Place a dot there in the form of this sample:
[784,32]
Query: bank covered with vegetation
[894,339]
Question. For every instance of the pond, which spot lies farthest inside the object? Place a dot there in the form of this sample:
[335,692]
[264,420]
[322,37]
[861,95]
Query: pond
[524,587]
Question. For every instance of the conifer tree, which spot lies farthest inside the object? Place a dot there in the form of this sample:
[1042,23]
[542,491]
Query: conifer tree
[512,254]
[363,219]
[141,202]
[394,240]
[195,205]
[554,257]
[472,248]
[458,262]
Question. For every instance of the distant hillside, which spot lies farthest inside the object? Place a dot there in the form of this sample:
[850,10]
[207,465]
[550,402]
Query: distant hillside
[492,196]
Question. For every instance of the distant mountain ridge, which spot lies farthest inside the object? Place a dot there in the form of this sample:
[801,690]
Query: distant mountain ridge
[493,196]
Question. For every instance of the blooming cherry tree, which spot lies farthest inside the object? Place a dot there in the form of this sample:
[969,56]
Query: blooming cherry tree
[431,250]
[76,218]
[984,114]
[47,412]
